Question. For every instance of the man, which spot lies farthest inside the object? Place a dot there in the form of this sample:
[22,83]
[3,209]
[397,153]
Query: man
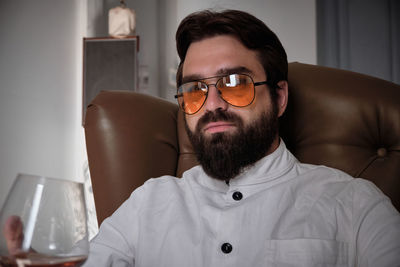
[250,202]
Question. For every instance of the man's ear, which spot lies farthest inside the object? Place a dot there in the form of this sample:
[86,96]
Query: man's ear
[283,94]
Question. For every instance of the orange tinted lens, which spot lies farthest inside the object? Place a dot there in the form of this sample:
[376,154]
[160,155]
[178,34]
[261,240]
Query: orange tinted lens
[192,99]
[237,90]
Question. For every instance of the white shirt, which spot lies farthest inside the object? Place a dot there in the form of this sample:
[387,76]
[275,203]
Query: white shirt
[290,214]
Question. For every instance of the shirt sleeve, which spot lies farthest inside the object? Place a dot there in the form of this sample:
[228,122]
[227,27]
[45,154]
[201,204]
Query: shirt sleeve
[377,228]
[116,241]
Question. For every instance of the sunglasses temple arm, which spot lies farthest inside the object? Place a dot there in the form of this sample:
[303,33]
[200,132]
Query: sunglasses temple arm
[260,83]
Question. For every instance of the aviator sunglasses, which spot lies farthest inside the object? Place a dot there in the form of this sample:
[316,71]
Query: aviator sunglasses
[236,89]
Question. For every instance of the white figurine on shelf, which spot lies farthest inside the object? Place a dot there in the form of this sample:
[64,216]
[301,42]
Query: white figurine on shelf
[121,21]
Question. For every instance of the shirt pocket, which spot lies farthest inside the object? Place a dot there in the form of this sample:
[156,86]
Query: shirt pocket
[307,252]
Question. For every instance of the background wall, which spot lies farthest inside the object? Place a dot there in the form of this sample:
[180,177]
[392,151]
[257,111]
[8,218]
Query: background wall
[40,97]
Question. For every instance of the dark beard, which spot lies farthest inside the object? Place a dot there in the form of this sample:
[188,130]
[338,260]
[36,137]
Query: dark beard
[224,155]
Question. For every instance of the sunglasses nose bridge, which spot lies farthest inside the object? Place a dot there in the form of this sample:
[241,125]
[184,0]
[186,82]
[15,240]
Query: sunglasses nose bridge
[214,99]
[212,84]
[215,86]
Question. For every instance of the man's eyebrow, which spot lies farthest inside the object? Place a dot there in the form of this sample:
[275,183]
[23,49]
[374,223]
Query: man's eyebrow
[221,72]
[235,70]
[191,78]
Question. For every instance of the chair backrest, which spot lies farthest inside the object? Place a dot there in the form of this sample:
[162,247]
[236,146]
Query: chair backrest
[334,117]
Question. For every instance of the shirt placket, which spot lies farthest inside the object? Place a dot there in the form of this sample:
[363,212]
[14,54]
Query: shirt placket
[228,229]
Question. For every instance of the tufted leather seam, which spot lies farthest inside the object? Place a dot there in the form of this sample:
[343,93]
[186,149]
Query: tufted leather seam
[369,162]
[363,168]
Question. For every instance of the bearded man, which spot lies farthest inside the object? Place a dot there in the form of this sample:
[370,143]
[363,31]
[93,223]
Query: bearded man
[249,202]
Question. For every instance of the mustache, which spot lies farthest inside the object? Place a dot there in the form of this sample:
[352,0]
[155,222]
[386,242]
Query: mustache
[217,115]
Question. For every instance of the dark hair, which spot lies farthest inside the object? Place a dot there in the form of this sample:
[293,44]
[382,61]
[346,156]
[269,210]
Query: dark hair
[252,32]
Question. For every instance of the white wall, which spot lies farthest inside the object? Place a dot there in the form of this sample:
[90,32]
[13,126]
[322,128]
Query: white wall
[40,89]
[169,61]
[294,21]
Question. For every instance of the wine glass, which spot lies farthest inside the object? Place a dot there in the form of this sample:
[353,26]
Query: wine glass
[43,223]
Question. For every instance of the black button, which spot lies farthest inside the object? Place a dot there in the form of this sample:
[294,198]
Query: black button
[237,196]
[226,248]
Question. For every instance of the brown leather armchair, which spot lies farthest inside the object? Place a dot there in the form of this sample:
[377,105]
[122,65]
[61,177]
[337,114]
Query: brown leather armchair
[336,118]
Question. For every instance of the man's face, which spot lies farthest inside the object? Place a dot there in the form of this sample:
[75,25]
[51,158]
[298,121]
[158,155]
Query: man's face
[219,130]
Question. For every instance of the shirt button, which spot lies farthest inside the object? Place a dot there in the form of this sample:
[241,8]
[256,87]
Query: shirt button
[226,248]
[237,196]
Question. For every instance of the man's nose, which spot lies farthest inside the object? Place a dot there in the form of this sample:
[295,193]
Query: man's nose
[214,100]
